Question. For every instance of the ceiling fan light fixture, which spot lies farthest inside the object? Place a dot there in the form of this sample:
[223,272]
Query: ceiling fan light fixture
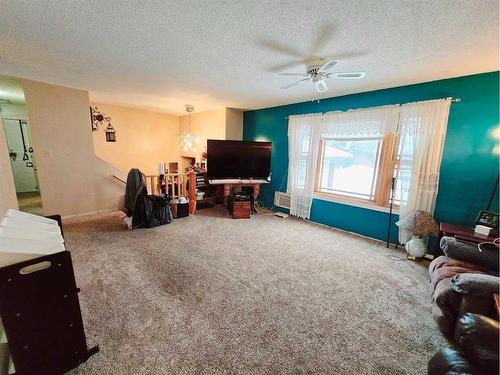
[320,86]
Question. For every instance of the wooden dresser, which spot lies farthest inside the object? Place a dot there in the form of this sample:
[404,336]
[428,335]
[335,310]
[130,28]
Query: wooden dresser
[241,210]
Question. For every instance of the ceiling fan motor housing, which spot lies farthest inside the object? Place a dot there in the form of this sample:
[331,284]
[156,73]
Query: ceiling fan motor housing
[313,70]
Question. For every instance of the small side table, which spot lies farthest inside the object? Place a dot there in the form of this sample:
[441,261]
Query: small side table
[459,232]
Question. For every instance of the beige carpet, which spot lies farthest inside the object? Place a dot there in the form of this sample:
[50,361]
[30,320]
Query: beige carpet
[212,295]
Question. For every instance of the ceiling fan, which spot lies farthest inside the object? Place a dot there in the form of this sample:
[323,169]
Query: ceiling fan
[318,72]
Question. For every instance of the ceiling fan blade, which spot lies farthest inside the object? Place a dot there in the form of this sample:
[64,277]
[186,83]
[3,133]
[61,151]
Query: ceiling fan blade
[282,67]
[295,83]
[321,86]
[345,55]
[281,48]
[328,65]
[323,38]
[294,74]
[347,75]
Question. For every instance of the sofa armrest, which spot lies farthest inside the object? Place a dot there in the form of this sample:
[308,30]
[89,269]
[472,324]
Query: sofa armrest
[475,284]
[448,361]
[467,252]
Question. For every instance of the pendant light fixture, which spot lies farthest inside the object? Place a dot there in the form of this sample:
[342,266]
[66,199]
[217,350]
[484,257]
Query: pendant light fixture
[187,139]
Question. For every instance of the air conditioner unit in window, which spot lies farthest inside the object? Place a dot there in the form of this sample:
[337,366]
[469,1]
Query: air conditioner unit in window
[282,199]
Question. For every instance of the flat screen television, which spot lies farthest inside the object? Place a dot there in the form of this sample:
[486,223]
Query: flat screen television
[238,159]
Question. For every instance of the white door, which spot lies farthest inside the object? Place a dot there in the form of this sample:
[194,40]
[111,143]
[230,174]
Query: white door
[21,155]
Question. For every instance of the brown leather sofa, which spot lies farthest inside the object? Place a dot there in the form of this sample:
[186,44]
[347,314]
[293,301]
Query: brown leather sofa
[466,311]
[450,305]
[475,351]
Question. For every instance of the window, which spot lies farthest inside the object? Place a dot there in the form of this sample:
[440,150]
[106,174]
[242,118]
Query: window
[358,168]
[349,167]
[402,165]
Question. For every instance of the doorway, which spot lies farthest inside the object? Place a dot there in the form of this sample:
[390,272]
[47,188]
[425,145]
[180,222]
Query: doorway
[23,164]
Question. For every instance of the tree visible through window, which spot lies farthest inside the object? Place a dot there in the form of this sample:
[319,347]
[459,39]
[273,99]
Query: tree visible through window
[349,167]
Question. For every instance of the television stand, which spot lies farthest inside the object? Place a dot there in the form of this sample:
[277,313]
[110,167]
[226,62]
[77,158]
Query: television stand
[236,184]
[238,181]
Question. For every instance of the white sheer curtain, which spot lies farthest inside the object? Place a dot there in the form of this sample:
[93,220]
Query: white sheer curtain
[422,129]
[302,154]
[305,133]
[360,123]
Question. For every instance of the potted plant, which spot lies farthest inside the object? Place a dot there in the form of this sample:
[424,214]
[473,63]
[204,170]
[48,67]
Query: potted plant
[420,225]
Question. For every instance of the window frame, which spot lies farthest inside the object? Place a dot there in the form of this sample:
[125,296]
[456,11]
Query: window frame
[387,166]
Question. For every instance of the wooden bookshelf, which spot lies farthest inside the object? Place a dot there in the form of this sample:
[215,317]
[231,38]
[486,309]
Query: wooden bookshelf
[214,194]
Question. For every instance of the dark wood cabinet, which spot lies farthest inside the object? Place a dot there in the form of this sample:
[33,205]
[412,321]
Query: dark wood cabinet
[241,210]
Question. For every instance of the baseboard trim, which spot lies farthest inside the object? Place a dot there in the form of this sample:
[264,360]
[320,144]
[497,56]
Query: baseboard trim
[89,213]
[400,247]
[346,231]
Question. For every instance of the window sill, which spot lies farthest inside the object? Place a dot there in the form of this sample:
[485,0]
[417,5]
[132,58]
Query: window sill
[355,203]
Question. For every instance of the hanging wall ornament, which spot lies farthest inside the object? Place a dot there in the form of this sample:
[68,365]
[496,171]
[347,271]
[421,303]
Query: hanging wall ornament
[97,118]
[110,133]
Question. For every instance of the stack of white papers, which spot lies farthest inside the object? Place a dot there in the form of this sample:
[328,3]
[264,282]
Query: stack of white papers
[24,236]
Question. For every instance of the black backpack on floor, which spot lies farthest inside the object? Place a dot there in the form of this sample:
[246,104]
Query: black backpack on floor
[151,211]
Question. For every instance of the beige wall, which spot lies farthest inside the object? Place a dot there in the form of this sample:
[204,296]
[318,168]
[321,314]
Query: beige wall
[72,179]
[206,125]
[75,179]
[143,139]
[224,123]
[234,124]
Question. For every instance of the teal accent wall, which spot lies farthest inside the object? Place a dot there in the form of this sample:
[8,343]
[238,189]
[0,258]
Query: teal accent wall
[468,168]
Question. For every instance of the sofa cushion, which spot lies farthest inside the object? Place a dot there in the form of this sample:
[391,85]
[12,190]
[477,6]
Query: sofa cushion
[445,307]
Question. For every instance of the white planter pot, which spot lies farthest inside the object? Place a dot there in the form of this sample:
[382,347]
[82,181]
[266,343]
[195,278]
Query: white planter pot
[416,247]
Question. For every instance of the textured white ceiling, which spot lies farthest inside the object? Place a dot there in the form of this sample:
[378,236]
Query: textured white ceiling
[163,54]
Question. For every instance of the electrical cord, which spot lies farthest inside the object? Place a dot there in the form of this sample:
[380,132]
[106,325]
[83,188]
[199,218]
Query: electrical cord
[495,243]
[260,209]
[396,258]
[259,205]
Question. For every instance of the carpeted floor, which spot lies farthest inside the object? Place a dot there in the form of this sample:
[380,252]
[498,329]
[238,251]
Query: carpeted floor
[208,294]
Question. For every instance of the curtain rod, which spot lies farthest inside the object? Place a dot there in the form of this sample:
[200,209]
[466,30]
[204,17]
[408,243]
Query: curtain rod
[453,100]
